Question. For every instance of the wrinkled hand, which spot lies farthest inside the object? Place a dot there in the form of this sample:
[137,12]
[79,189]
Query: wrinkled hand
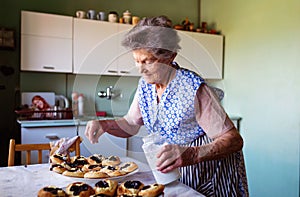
[172,156]
[93,130]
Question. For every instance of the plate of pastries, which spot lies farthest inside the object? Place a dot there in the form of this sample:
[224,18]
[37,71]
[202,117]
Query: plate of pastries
[95,166]
[105,188]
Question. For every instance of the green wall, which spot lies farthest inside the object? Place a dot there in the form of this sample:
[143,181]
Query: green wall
[261,82]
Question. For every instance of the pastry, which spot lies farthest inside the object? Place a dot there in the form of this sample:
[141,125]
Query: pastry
[90,167]
[95,174]
[58,158]
[111,161]
[68,165]
[152,190]
[57,168]
[79,189]
[128,167]
[106,187]
[130,188]
[96,159]
[74,172]
[51,191]
[78,161]
[112,171]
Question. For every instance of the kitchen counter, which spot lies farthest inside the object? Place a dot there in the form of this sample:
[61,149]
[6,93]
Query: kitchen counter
[61,122]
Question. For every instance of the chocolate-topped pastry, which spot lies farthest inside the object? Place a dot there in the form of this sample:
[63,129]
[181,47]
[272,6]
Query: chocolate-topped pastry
[74,172]
[79,161]
[152,190]
[130,188]
[112,171]
[106,187]
[58,158]
[79,189]
[111,161]
[128,167]
[51,191]
[96,159]
[90,167]
[57,168]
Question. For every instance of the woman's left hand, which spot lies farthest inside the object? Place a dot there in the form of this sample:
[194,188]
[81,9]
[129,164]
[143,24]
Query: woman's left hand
[172,156]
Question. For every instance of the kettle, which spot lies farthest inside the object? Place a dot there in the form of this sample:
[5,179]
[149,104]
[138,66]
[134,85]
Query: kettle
[62,102]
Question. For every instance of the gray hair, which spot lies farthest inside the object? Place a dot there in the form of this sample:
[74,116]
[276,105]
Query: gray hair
[156,35]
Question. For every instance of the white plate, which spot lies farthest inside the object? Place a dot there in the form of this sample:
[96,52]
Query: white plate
[123,176]
[110,178]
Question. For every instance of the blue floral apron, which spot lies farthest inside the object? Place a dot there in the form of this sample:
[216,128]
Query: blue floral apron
[174,118]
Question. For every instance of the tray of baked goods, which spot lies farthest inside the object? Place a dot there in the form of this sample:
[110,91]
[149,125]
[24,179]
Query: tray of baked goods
[95,166]
[105,187]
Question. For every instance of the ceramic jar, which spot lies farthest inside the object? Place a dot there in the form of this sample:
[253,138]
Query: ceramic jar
[127,17]
[113,17]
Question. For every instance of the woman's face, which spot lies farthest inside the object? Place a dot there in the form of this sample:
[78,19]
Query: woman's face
[38,103]
[153,70]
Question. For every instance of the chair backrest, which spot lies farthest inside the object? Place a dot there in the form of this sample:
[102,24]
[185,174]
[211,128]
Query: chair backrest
[13,147]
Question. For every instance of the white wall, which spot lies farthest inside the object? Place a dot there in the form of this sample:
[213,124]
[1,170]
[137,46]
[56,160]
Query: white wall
[261,83]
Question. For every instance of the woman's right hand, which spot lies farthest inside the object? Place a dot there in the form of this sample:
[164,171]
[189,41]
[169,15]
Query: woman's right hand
[94,129]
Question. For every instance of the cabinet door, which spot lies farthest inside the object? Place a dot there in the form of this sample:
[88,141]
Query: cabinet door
[202,53]
[46,54]
[98,50]
[47,25]
[94,47]
[46,42]
[44,135]
[126,64]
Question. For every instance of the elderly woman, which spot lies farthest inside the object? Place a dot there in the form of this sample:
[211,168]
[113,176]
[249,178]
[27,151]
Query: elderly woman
[178,104]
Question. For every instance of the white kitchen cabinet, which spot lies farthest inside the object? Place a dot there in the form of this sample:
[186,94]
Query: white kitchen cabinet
[35,135]
[202,53]
[56,43]
[126,63]
[98,50]
[46,42]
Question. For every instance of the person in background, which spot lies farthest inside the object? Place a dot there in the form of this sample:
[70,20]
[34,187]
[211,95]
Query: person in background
[179,105]
[40,103]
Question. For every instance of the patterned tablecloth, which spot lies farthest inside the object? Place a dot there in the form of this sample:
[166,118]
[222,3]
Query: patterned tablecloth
[26,181]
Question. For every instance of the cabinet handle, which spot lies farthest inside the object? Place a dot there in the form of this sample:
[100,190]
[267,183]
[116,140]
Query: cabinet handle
[49,67]
[124,72]
[52,137]
[112,71]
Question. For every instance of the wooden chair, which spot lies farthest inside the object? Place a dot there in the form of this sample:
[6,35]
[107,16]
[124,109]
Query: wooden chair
[13,147]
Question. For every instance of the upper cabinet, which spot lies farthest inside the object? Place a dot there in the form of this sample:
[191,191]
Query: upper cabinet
[46,42]
[55,43]
[202,53]
[98,50]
